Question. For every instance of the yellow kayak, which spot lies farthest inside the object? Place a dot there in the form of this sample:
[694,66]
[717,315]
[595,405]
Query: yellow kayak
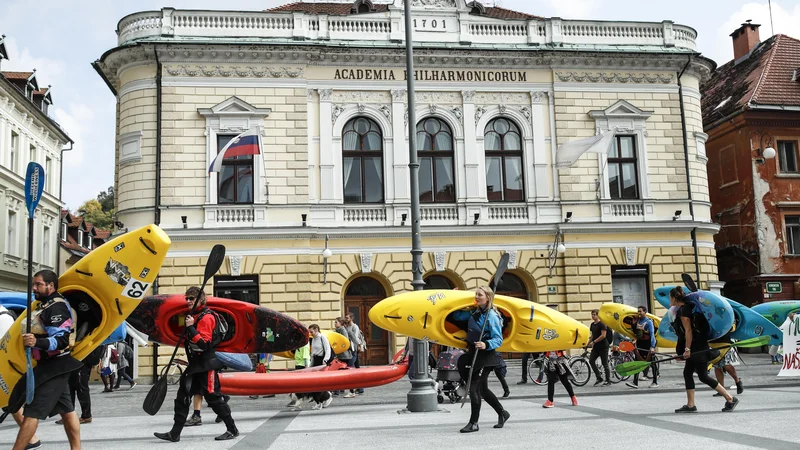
[339,344]
[528,326]
[114,277]
[622,318]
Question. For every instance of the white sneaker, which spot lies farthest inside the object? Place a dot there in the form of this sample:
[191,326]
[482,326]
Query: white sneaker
[327,402]
[349,395]
[317,406]
[291,404]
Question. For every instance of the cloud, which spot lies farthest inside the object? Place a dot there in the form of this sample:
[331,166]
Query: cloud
[575,9]
[76,122]
[785,22]
[48,71]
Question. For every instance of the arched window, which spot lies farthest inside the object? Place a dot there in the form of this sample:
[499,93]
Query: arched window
[512,286]
[435,150]
[438,282]
[362,153]
[502,143]
[366,287]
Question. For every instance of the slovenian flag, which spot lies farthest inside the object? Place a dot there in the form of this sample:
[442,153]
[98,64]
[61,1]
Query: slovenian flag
[247,143]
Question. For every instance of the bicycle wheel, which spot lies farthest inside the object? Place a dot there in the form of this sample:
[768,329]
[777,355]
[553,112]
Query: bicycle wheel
[174,374]
[534,368]
[615,377]
[580,368]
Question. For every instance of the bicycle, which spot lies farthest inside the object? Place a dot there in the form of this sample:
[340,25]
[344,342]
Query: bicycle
[175,371]
[578,364]
[616,358]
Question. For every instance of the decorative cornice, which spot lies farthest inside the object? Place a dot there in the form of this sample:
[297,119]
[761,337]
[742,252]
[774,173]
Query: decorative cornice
[398,95]
[236,71]
[603,77]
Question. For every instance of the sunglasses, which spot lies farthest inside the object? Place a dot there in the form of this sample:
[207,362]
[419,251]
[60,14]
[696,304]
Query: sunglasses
[190,298]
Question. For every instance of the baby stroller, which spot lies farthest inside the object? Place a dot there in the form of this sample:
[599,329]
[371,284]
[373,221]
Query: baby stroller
[448,380]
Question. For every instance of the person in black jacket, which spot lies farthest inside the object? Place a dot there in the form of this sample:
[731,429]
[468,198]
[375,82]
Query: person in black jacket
[201,375]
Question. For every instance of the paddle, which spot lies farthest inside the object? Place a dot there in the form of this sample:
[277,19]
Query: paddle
[155,397]
[633,367]
[501,269]
[34,185]
[689,282]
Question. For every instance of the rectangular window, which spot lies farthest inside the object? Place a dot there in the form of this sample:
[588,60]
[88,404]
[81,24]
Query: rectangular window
[32,153]
[787,156]
[45,259]
[629,286]
[243,288]
[11,234]
[48,174]
[235,176]
[80,238]
[622,169]
[64,231]
[12,155]
[793,235]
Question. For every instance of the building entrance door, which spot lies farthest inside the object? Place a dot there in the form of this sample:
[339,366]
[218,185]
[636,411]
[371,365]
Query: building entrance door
[362,294]
[629,286]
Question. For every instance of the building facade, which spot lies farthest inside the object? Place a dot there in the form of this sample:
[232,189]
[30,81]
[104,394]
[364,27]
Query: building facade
[497,91]
[752,103]
[27,134]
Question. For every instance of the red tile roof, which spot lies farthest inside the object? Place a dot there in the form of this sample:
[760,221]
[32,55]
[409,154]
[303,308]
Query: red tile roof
[102,234]
[76,221]
[17,75]
[334,9]
[763,78]
[502,13]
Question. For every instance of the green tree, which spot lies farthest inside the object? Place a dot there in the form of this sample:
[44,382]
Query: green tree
[106,199]
[92,212]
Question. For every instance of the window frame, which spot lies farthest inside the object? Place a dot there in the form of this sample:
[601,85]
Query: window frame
[433,154]
[619,161]
[361,155]
[796,227]
[45,258]
[781,152]
[64,231]
[235,162]
[13,153]
[502,154]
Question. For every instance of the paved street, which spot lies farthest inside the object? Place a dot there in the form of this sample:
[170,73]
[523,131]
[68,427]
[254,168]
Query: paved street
[767,410]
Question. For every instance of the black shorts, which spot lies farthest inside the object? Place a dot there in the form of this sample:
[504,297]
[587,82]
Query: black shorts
[50,398]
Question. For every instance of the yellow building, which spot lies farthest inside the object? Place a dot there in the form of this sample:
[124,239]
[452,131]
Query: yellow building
[497,92]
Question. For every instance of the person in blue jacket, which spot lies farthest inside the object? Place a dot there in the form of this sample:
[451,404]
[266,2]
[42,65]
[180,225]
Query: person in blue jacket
[645,346]
[485,344]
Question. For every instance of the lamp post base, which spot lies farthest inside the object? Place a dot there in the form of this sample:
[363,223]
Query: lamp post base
[422,396]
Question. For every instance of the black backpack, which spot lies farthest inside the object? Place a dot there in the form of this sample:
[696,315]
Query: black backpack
[221,329]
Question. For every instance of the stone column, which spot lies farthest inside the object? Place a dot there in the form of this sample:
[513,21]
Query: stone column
[400,162]
[539,148]
[311,125]
[472,163]
[327,177]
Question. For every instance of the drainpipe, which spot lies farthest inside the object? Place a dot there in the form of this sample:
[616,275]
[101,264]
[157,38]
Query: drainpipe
[60,187]
[157,214]
[688,180]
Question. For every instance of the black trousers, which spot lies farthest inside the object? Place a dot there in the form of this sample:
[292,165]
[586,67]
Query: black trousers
[642,353]
[479,389]
[501,375]
[552,377]
[600,351]
[207,385]
[698,363]
[79,386]
[525,357]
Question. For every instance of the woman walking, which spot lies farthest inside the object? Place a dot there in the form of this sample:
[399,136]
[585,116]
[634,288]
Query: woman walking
[485,344]
[692,344]
[557,368]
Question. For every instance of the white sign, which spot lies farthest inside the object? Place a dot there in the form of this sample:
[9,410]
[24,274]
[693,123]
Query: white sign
[791,348]
[135,288]
[438,24]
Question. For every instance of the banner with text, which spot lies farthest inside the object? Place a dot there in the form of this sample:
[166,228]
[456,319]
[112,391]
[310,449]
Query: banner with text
[791,345]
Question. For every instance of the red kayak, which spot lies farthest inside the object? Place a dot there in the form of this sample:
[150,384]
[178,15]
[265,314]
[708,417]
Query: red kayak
[314,381]
[252,328]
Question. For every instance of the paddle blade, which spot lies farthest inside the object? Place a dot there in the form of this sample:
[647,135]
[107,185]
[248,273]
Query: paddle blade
[629,368]
[34,185]
[689,282]
[155,397]
[752,342]
[30,384]
[501,270]
[214,262]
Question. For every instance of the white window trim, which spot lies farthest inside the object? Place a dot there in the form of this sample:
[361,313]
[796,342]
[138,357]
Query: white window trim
[12,224]
[64,231]
[700,139]
[80,238]
[134,153]
[629,120]
[234,116]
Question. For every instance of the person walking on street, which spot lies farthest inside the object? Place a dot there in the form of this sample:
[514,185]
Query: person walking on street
[501,371]
[347,355]
[108,367]
[645,344]
[125,353]
[201,377]
[599,345]
[525,358]
[485,344]
[51,335]
[357,344]
[692,330]
[79,385]
[726,365]
[557,368]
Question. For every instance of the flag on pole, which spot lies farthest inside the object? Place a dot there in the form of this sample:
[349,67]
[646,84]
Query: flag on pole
[568,153]
[247,143]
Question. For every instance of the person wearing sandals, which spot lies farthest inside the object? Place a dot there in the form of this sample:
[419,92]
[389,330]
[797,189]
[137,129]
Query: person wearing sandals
[557,368]
[484,341]
[693,345]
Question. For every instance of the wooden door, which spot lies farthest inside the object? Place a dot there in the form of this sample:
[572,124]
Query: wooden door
[362,294]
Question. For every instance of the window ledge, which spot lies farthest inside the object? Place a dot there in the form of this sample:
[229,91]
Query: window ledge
[792,256]
[787,175]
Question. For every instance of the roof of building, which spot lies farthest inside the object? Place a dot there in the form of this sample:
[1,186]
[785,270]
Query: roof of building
[344,9]
[17,75]
[763,77]
[102,234]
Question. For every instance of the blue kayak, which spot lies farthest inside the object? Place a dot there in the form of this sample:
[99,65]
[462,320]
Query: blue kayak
[18,302]
[239,362]
[777,312]
[716,309]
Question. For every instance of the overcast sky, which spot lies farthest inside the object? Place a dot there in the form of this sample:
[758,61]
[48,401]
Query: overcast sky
[60,38]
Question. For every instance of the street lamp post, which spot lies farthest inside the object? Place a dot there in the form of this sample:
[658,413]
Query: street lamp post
[422,396]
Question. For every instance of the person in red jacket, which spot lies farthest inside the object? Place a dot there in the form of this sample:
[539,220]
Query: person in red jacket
[201,375]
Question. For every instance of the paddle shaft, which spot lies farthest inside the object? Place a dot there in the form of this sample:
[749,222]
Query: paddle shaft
[30,271]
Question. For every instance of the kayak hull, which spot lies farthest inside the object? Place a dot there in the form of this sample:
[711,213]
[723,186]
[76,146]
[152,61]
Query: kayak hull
[621,319]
